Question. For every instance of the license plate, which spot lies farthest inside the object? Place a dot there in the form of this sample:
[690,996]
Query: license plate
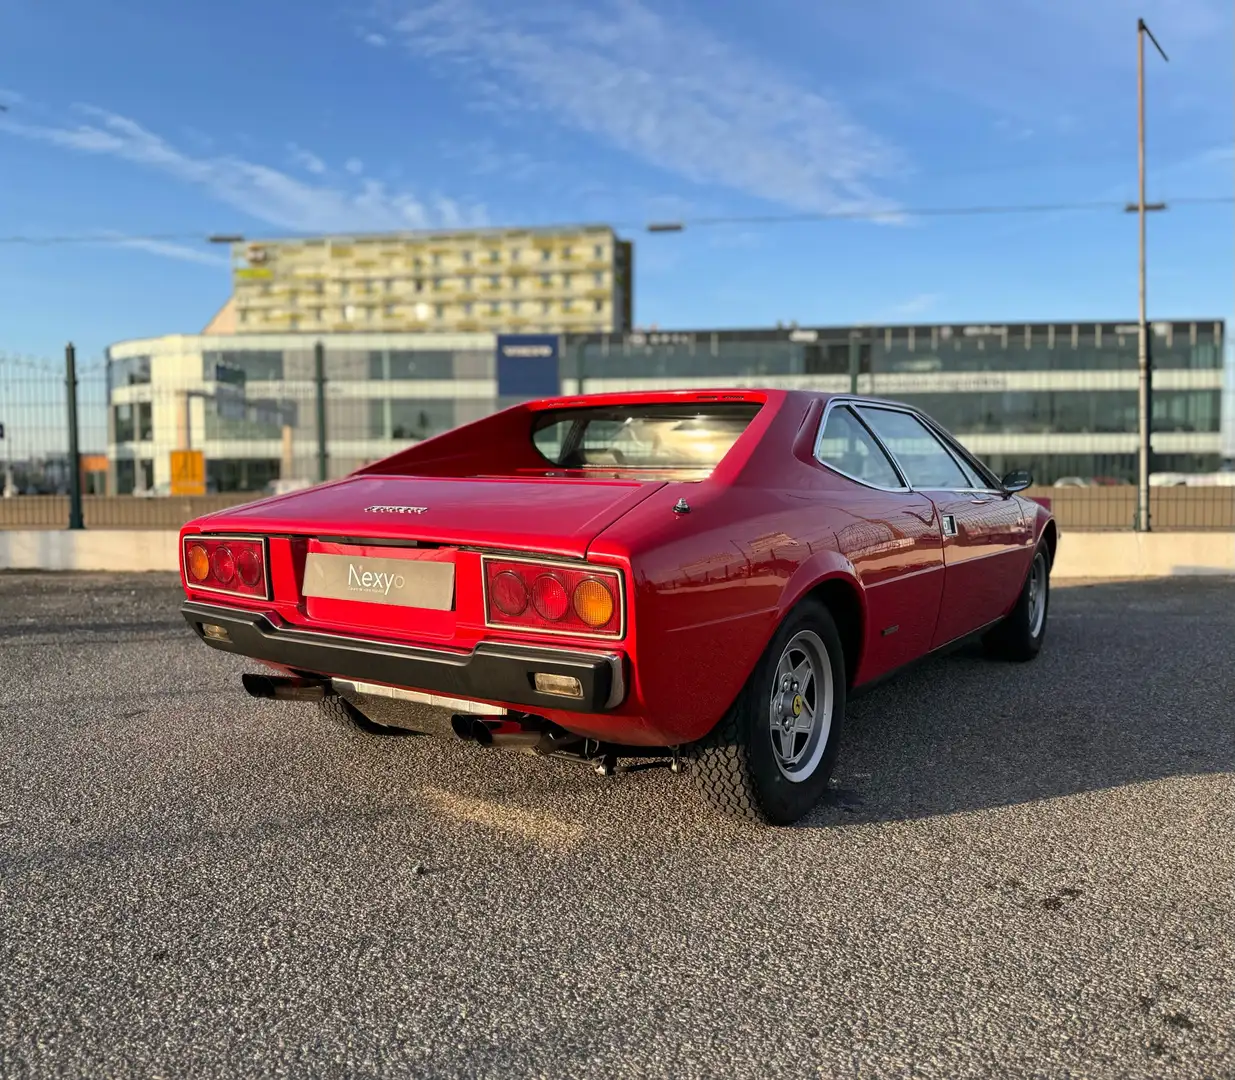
[415,583]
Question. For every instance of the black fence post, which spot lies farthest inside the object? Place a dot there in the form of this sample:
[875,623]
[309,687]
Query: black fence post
[70,382]
[319,377]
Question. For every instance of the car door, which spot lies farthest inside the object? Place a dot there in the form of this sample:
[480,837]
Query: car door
[891,535]
[972,522]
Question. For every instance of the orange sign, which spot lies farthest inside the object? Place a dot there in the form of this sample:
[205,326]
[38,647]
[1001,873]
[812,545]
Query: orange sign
[188,472]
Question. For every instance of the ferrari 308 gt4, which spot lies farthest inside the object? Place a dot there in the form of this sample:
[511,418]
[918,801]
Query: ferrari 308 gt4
[703,576]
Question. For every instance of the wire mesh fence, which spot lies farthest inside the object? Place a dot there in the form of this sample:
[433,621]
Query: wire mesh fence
[215,430]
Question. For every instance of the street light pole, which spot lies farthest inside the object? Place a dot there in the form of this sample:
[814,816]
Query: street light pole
[1144,366]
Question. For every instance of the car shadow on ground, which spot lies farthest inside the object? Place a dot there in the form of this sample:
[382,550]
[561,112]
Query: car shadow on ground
[1135,683]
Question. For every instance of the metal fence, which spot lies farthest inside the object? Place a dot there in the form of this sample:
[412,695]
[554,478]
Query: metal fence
[318,421]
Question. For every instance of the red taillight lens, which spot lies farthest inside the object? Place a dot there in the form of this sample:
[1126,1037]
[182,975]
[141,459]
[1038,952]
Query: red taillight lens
[226,565]
[249,567]
[549,597]
[223,565]
[509,594]
[535,596]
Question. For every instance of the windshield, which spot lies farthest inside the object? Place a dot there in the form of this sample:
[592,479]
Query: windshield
[691,435]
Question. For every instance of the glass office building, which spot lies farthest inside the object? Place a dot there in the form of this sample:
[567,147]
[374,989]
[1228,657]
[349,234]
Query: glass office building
[1057,398]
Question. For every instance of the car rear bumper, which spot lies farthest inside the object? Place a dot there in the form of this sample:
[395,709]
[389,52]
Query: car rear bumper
[490,672]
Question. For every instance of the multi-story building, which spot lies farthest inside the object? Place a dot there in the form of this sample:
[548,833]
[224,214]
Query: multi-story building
[1057,398]
[561,280]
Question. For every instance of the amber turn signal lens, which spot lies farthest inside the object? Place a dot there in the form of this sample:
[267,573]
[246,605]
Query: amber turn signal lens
[593,602]
[198,563]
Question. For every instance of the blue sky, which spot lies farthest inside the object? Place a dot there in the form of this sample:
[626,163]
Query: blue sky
[138,119]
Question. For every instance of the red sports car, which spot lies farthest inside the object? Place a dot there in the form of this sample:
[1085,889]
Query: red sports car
[705,576]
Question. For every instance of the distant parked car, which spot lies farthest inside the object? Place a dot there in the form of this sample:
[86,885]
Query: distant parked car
[700,575]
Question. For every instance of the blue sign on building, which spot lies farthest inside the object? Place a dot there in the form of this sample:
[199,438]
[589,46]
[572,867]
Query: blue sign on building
[527,365]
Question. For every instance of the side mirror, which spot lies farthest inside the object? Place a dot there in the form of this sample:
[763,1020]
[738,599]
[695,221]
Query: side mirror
[1017,480]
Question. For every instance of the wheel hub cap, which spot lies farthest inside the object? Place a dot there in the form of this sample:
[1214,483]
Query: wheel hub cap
[800,709]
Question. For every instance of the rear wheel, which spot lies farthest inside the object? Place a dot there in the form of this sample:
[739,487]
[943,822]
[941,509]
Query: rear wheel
[771,756]
[1020,636]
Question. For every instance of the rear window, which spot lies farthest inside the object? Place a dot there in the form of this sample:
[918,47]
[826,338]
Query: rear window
[691,435]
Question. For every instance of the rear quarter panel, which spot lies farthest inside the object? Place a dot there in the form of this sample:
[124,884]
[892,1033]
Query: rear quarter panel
[709,587]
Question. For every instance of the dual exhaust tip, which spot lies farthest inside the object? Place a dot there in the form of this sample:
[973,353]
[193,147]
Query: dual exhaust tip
[468,728]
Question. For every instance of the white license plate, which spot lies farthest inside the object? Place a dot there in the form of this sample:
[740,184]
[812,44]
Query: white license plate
[416,583]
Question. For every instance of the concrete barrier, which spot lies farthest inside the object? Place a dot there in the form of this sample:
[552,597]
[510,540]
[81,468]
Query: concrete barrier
[1127,554]
[89,549]
[1120,554]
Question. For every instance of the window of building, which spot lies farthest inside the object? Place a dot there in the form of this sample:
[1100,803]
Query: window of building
[419,286]
[515,306]
[546,307]
[390,285]
[133,422]
[546,279]
[390,309]
[343,288]
[349,312]
[411,364]
[545,254]
[495,308]
[847,446]
[129,371]
[467,308]
[568,305]
[437,259]
[566,252]
[495,256]
[317,314]
[294,322]
[403,418]
[566,280]
[599,305]
[467,284]
[317,287]
[921,456]
[599,279]
[467,258]
[439,310]
[437,283]
[495,280]
[599,251]
[244,315]
[514,254]
[258,365]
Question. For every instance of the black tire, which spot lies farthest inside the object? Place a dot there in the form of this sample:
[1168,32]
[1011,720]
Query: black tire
[738,769]
[1019,637]
[342,713]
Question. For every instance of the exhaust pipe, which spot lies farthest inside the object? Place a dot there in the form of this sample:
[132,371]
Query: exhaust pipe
[533,735]
[284,687]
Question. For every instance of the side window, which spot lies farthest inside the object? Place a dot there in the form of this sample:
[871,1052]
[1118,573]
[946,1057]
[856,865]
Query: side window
[921,456]
[847,446]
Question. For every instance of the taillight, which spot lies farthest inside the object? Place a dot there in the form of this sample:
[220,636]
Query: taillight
[559,599]
[226,564]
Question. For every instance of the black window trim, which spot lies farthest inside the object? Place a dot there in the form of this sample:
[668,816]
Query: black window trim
[963,459]
[846,404]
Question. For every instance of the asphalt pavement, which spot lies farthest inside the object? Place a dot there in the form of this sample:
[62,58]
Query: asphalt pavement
[1025,870]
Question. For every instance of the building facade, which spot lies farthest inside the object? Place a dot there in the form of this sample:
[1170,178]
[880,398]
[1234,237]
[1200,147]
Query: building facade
[569,280]
[1057,398]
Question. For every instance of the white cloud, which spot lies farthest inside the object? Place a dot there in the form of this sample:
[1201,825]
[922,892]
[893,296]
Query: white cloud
[306,159]
[354,166]
[370,37]
[669,92]
[257,190]
[916,305]
[166,248]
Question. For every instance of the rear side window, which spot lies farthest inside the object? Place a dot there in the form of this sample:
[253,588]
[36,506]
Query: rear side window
[845,445]
[921,456]
[690,435]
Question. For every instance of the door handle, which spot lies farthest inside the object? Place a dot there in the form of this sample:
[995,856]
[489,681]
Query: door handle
[949,525]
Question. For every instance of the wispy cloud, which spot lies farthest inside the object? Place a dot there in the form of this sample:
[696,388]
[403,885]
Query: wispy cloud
[256,190]
[916,305]
[165,248]
[354,166]
[667,91]
[306,159]
[371,37]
